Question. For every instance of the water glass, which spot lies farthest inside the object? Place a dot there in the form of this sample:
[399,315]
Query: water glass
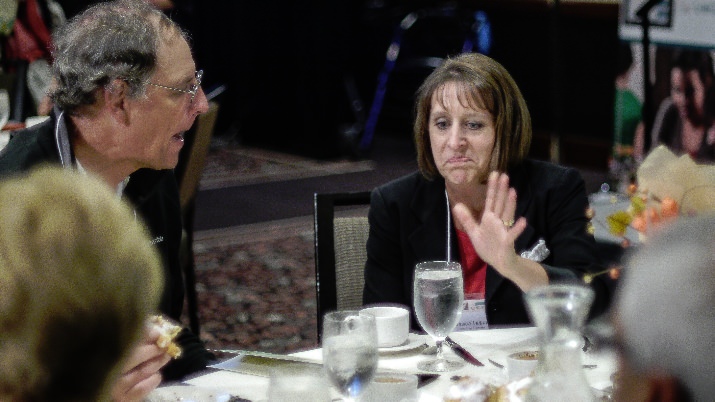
[298,383]
[438,298]
[349,351]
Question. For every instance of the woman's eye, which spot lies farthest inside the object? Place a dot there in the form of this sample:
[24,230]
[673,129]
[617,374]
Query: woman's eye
[441,124]
[474,125]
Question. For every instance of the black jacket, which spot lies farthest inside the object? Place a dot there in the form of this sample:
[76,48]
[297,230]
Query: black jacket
[408,224]
[154,195]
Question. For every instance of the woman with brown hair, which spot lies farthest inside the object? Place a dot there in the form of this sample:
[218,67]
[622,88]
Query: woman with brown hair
[518,223]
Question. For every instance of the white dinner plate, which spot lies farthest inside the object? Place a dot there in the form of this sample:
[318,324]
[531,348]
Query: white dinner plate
[413,341]
[173,393]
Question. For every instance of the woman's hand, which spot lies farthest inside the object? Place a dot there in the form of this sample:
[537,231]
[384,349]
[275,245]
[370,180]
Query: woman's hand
[494,235]
[140,374]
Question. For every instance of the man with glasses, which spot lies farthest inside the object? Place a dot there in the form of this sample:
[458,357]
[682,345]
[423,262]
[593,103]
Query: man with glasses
[125,91]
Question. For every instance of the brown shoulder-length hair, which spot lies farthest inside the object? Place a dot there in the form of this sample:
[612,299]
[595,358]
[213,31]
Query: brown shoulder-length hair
[484,83]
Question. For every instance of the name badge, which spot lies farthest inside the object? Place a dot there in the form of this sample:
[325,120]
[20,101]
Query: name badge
[474,313]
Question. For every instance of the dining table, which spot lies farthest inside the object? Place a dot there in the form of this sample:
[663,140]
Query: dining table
[490,346]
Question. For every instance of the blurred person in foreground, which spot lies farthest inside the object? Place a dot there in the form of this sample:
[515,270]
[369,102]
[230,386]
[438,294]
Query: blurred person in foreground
[126,89]
[472,133]
[78,280]
[665,317]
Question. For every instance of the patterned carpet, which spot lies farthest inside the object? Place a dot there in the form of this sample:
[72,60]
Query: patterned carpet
[256,283]
[235,165]
[256,286]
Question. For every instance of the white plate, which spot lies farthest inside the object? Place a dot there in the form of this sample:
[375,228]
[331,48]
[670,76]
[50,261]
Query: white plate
[413,341]
[173,393]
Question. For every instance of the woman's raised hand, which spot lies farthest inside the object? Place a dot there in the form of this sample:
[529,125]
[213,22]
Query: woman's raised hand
[493,236]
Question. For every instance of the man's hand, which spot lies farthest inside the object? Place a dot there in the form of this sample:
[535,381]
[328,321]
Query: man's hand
[140,374]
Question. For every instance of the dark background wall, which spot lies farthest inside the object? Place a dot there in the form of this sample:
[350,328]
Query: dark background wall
[285,63]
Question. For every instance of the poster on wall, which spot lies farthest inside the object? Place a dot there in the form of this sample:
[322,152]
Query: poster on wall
[681,79]
[672,22]
[661,15]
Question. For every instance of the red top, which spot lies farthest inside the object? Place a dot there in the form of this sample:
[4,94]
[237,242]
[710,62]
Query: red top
[474,269]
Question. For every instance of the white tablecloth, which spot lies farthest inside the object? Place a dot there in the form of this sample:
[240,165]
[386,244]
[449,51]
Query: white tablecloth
[493,344]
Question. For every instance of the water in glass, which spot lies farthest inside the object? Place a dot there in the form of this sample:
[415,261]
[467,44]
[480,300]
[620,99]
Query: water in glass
[349,351]
[438,297]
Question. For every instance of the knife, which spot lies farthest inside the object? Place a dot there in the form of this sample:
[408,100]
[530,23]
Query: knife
[462,352]
[424,379]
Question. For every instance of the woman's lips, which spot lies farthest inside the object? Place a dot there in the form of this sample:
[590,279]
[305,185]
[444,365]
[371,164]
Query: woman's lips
[458,159]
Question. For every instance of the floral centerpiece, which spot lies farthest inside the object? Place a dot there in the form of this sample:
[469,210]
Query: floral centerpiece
[666,187]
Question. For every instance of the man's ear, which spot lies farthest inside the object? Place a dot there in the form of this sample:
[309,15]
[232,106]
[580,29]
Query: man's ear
[116,95]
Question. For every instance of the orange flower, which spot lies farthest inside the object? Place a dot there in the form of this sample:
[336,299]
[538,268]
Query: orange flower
[652,215]
[669,208]
[639,223]
[614,273]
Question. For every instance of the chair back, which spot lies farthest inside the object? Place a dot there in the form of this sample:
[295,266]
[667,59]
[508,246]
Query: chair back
[193,166]
[350,236]
[340,253]
[188,172]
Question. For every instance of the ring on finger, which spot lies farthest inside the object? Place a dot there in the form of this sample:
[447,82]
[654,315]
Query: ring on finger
[508,223]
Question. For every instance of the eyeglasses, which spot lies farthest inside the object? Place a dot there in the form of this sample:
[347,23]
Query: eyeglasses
[193,88]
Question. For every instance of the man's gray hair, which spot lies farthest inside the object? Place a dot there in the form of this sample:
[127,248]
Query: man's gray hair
[666,305]
[117,39]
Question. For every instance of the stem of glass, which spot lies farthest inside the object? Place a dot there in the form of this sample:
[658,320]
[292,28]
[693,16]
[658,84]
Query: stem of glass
[439,349]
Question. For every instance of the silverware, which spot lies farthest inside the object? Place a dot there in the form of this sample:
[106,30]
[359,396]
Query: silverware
[501,366]
[424,379]
[462,352]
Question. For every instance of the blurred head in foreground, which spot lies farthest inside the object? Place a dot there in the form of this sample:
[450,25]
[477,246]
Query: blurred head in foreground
[78,277]
[665,311]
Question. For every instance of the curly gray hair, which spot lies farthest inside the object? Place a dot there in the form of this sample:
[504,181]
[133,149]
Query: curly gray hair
[117,39]
[665,305]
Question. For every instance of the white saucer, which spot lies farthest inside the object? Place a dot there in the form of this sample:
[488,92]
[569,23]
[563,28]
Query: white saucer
[413,341]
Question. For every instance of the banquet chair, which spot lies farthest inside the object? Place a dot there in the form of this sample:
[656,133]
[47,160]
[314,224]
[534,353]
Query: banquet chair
[188,173]
[341,229]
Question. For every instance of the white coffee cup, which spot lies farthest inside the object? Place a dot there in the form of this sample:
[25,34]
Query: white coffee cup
[393,324]
[391,387]
[521,364]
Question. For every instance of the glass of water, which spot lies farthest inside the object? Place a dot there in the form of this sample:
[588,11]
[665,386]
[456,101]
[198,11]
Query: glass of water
[298,383]
[438,298]
[349,351]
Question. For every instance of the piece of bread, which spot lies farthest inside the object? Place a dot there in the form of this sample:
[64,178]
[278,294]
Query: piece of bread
[168,331]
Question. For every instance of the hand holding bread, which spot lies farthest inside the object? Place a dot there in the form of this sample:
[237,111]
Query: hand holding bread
[168,330]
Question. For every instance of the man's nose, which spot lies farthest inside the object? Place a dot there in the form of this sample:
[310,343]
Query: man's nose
[201,103]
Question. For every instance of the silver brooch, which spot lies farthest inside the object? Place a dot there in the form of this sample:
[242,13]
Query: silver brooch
[537,253]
